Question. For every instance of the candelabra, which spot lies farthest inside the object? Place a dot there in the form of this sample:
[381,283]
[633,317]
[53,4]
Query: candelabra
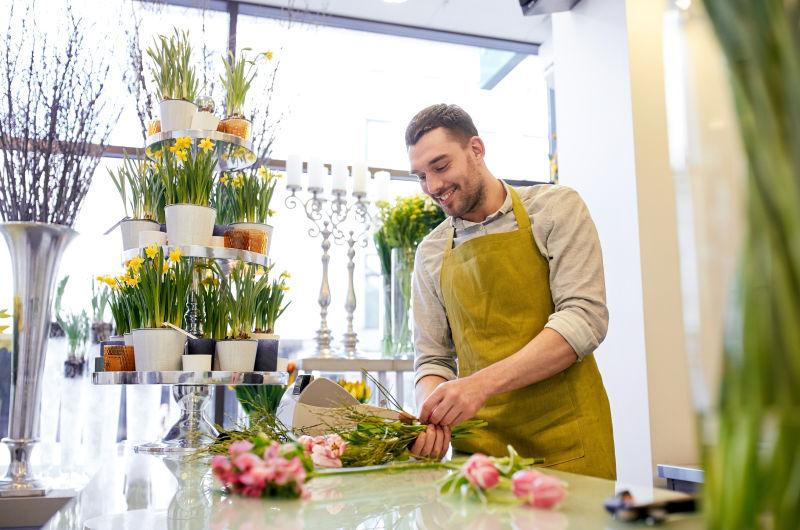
[329,216]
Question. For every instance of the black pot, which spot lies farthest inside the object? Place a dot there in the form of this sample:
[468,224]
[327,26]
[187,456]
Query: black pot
[163,228]
[267,355]
[56,330]
[201,347]
[219,230]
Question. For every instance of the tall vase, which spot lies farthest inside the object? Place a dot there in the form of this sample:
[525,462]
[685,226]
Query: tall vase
[387,347]
[36,250]
[402,270]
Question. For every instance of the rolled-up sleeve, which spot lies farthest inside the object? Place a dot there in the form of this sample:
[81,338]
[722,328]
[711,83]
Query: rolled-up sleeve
[577,281]
[434,353]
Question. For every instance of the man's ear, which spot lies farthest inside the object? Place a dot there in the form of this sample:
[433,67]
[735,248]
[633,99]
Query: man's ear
[477,147]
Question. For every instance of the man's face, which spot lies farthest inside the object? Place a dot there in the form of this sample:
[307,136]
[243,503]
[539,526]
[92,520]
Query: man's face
[447,172]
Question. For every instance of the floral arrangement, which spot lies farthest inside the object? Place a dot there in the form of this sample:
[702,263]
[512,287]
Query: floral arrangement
[263,468]
[324,451]
[140,188]
[213,308]
[241,294]
[269,304]
[239,74]
[245,197]
[123,301]
[357,389]
[507,479]
[173,74]
[187,171]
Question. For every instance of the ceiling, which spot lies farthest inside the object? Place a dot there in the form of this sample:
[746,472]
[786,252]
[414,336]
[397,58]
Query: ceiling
[501,19]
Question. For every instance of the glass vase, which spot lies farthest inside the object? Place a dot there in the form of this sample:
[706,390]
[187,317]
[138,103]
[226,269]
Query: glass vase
[738,272]
[402,270]
[387,346]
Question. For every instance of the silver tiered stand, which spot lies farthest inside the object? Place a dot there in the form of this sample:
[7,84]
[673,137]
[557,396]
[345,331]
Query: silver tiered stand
[192,390]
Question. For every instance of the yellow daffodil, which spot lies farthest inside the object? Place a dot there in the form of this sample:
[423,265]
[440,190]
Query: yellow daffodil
[284,287]
[174,148]
[165,268]
[206,145]
[135,263]
[263,172]
[224,179]
[285,275]
[181,155]
[183,142]
[268,55]
[223,157]
[238,181]
[175,255]
[133,281]
[148,152]
[250,156]
[151,251]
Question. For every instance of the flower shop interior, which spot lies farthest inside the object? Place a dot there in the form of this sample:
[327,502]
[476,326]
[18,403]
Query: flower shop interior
[219,218]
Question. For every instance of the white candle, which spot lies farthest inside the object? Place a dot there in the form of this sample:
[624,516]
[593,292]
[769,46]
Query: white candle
[382,179]
[294,171]
[339,173]
[360,176]
[316,173]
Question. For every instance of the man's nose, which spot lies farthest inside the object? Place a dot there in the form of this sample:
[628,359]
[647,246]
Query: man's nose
[433,184]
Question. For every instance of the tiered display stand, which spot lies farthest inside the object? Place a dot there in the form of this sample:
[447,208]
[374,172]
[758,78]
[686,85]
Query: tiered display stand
[192,390]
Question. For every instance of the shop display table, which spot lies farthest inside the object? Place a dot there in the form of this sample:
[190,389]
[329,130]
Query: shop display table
[143,491]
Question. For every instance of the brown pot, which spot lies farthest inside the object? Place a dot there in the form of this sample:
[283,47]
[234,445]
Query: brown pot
[237,126]
[153,127]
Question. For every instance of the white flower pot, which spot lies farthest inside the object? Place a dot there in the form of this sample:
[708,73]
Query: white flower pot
[131,228]
[152,237]
[197,363]
[218,241]
[158,349]
[204,121]
[190,224]
[267,229]
[237,355]
[127,338]
[176,114]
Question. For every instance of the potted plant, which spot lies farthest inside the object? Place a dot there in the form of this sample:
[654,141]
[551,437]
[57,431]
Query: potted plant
[246,198]
[239,75]
[269,307]
[76,329]
[238,351]
[175,80]
[213,313]
[161,286]
[142,194]
[101,329]
[187,173]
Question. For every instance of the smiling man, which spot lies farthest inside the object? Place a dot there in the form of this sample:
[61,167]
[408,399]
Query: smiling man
[509,304]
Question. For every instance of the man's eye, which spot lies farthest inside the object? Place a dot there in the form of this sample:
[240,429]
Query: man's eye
[442,168]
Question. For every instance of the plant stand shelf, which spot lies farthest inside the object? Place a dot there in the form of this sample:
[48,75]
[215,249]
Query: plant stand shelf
[233,153]
[191,391]
[197,251]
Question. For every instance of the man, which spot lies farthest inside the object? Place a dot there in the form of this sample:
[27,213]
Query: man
[511,287]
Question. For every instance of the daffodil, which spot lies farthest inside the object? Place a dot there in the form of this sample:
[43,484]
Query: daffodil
[174,148]
[250,156]
[263,172]
[165,268]
[181,155]
[285,275]
[183,142]
[135,263]
[268,55]
[238,181]
[151,251]
[284,287]
[133,281]
[175,255]
[206,145]
[148,152]
[224,179]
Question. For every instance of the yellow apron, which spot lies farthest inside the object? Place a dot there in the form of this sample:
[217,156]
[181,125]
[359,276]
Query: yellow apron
[496,291]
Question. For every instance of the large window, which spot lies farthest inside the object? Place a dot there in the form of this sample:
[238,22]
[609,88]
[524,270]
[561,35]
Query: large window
[345,95]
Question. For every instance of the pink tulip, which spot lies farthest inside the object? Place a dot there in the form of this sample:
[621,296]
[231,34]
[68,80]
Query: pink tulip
[480,471]
[239,447]
[335,443]
[538,489]
[307,442]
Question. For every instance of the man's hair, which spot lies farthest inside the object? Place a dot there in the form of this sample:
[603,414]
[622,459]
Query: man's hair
[451,117]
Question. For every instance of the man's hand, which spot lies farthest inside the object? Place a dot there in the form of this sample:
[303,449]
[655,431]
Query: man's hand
[433,443]
[452,402]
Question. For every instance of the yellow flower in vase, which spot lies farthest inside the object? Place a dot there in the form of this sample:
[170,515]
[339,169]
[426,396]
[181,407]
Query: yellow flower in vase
[181,155]
[206,145]
[151,251]
[183,142]
[175,255]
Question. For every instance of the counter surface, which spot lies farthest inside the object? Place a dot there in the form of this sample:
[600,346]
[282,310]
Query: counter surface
[141,491]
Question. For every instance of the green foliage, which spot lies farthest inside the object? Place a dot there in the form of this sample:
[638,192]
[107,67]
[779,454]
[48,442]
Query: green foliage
[172,69]
[186,171]
[241,294]
[239,74]
[245,197]
[100,299]
[269,304]
[140,188]
[161,287]
[404,225]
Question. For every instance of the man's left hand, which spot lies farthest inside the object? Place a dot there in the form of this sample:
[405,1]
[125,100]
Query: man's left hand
[452,402]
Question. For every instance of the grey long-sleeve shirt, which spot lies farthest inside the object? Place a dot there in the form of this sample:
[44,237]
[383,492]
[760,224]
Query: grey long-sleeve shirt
[564,233]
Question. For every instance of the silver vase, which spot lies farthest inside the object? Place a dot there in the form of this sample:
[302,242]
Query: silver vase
[36,250]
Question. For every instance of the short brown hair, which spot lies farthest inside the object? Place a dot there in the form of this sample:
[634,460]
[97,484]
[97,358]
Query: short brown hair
[452,117]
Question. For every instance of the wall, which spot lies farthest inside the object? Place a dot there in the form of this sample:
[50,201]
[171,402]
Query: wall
[613,150]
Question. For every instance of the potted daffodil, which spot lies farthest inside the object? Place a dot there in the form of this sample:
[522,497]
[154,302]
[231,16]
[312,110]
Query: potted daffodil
[175,79]
[269,307]
[239,74]
[238,352]
[246,198]
[142,194]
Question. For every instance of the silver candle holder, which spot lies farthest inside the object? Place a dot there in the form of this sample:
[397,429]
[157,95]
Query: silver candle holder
[329,216]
